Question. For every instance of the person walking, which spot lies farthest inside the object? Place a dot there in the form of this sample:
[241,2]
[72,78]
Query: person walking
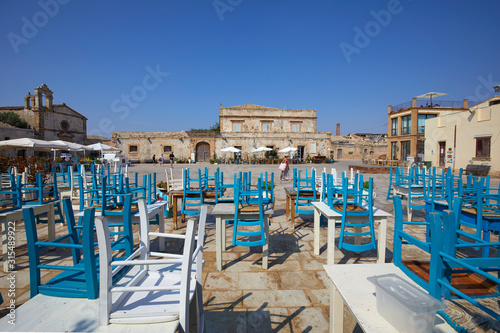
[154,159]
[284,169]
[171,157]
[161,160]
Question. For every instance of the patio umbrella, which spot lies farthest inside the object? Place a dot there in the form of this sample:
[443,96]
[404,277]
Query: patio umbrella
[431,95]
[261,149]
[71,145]
[287,149]
[102,147]
[34,144]
[231,149]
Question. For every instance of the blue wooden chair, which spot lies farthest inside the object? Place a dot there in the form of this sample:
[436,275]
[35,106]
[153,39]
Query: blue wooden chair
[79,280]
[221,187]
[445,264]
[356,204]
[245,201]
[11,197]
[192,196]
[306,193]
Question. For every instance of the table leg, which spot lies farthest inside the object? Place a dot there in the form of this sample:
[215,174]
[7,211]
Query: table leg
[265,247]
[287,208]
[174,208]
[330,249]
[161,227]
[218,242]
[51,224]
[317,218]
[5,249]
[224,231]
[336,310]
[382,240]
[293,213]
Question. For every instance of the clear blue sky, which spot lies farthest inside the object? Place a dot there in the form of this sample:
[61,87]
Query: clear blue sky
[98,56]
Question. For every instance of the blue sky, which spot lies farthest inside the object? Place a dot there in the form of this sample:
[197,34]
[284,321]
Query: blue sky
[167,65]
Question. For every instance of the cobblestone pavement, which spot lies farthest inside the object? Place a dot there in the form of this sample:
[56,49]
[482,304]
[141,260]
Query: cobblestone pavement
[291,296]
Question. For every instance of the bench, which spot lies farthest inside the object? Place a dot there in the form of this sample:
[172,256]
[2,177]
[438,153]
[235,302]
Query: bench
[477,170]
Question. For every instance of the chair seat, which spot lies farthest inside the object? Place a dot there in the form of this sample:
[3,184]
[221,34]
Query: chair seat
[349,208]
[249,208]
[66,284]
[144,307]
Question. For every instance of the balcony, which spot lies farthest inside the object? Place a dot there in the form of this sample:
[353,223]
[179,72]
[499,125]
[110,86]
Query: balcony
[426,103]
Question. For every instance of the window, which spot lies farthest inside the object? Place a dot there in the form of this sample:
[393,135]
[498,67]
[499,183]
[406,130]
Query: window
[236,127]
[483,147]
[394,150]
[64,125]
[421,122]
[167,149]
[266,127]
[295,127]
[394,126]
[405,125]
[405,149]
[132,149]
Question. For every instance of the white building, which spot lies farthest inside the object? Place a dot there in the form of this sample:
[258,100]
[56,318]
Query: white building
[467,138]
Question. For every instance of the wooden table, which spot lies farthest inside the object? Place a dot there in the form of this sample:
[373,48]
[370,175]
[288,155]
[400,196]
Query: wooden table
[350,287]
[157,208]
[8,219]
[333,217]
[291,195]
[174,197]
[225,211]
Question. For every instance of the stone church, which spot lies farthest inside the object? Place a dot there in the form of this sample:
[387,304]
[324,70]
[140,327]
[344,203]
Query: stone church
[46,120]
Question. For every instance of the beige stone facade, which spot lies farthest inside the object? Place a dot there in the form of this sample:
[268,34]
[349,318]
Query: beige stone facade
[248,127]
[50,121]
[470,137]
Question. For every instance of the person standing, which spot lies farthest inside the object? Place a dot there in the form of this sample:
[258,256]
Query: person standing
[161,160]
[171,157]
[287,168]
[154,159]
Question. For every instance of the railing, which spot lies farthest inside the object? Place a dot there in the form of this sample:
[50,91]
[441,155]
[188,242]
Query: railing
[426,103]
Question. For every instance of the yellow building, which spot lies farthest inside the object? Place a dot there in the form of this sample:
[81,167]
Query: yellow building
[407,125]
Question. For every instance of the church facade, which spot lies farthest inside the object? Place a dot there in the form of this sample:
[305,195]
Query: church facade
[46,120]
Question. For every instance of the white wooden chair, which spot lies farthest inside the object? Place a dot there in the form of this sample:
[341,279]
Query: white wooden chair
[145,295]
[174,184]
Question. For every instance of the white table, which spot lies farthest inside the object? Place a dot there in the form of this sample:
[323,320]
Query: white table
[417,192]
[225,211]
[157,208]
[350,287]
[333,217]
[7,219]
[60,314]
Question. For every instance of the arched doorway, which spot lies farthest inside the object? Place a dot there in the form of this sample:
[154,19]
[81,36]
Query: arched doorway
[202,152]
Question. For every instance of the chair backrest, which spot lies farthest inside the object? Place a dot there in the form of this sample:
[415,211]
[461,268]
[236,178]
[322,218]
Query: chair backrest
[106,304]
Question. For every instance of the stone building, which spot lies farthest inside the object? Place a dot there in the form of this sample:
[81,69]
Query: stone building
[46,120]
[248,127]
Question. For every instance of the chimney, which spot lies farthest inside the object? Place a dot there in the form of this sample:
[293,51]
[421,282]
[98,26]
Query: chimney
[338,130]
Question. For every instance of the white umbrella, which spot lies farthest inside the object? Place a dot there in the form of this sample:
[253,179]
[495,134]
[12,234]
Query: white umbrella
[431,94]
[71,145]
[35,144]
[231,149]
[261,149]
[102,147]
[287,149]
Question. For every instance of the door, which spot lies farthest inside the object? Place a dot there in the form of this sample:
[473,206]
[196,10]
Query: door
[300,152]
[442,153]
[339,154]
[202,152]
